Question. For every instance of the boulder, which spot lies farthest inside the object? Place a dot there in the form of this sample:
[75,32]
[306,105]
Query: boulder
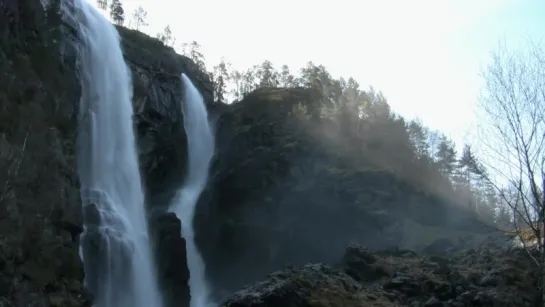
[405,279]
[312,285]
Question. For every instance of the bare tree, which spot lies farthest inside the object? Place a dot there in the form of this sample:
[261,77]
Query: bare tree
[193,52]
[166,36]
[513,124]
[221,76]
[140,17]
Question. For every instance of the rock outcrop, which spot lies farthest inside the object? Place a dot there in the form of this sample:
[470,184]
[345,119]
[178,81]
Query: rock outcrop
[158,93]
[171,254]
[488,276]
[283,191]
[39,263]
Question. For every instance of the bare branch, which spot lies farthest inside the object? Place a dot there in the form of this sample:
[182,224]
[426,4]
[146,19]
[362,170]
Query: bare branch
[513,139]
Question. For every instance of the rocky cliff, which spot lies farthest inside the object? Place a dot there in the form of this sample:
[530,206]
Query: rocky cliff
[39,200]
[489,276]
[283,190]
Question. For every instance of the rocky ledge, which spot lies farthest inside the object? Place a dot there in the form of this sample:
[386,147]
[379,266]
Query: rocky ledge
[489,276]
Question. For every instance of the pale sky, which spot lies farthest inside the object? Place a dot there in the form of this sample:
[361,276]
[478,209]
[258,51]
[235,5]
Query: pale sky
[425,55]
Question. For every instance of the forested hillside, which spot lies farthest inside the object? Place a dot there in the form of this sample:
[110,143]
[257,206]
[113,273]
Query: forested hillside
[371,130]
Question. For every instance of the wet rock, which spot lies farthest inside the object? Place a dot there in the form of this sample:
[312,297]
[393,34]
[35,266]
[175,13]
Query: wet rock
[171,255]
[157,100]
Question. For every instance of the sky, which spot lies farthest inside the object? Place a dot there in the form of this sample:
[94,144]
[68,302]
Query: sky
[426,56]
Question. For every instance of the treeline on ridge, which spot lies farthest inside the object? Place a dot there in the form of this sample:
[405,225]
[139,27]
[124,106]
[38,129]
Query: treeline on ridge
[426,158]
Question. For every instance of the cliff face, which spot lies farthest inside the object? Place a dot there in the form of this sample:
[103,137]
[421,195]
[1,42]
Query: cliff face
[156,71]
[39,200]
[162,146]
[39,264]
[490,276]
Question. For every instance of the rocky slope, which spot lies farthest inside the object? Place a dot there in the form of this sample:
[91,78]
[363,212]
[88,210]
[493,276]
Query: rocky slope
[489,276]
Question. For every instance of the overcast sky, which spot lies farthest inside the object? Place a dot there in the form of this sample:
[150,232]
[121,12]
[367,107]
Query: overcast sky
[425,55]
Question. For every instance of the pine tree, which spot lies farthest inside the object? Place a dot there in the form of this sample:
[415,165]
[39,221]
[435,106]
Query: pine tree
[249,80]
[266,75]
[377,107]
[117,12]
[465,177]
[316,77]
[193,52]
[445,156]
[236,78]
[419,139]
[348,102]
[286,78]
[221,78]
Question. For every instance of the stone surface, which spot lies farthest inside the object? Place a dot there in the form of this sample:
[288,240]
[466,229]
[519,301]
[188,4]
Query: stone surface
[411,280]
[171,258]
[40,215]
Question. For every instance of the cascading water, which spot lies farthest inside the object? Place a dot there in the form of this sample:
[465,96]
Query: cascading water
[200,143]
[115,247]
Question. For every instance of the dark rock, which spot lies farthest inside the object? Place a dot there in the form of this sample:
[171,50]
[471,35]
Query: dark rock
[441,246]
[158,97]
[170,251]
[416,283]
[491,278]
[362,265]
[311,285]
[433,302]
[404,284]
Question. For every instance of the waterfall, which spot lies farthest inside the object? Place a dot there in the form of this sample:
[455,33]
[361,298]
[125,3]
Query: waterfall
[200,143]
[115,247]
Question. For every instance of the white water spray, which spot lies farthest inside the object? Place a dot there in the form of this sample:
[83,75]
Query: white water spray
[200,143]
[115,246]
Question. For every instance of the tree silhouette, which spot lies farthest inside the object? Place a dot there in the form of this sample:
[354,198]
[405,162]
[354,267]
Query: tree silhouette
[513,112]
[102,4]
[140,17]
[117,12]
[166,36]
